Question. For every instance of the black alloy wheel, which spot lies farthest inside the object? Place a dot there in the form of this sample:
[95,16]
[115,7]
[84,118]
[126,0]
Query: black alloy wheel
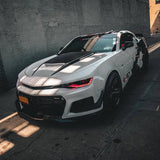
[113,92]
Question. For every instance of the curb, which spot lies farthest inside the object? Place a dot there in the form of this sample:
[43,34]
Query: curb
[153,47]
[6,119]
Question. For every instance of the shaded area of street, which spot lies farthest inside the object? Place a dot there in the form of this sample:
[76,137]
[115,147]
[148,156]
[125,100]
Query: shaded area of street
[130,132]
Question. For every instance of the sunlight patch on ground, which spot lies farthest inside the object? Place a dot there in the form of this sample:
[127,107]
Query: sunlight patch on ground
[8,117]
[20,127]
[13,124]
[5,146]
[28,131]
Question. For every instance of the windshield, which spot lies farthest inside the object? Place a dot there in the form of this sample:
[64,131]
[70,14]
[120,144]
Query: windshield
[96,43]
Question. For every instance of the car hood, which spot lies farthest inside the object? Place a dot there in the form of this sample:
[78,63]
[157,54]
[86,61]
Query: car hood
[61,69]
[55,64]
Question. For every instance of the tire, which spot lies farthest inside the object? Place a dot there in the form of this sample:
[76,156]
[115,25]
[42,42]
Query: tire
[112,92]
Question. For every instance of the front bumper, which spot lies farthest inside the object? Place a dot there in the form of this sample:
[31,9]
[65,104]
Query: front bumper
[41,107]
[37,116]
[75,103]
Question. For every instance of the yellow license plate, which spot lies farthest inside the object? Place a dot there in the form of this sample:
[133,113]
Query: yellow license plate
[23,100]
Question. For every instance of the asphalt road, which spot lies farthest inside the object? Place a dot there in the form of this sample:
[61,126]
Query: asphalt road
[130,132]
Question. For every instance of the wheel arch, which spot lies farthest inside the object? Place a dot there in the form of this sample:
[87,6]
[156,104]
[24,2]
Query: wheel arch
[108,102]
[109,75]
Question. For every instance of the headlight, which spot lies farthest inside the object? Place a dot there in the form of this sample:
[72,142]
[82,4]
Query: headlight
[79,84]
[72,85]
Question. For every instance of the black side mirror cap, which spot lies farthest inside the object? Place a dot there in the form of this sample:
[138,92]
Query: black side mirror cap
[127,44]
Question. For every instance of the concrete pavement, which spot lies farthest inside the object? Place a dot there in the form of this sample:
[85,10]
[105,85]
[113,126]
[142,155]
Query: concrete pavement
[7,101]
[139,139]
[129,133]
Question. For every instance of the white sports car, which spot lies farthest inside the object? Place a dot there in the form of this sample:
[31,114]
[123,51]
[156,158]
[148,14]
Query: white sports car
[88,75]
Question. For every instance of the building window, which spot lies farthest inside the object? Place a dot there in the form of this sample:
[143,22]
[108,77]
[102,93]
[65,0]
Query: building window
[157,1]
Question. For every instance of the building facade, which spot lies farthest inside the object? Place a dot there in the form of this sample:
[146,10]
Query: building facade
[31,30]
[154,6]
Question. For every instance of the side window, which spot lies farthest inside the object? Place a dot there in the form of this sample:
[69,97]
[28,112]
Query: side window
[125,37]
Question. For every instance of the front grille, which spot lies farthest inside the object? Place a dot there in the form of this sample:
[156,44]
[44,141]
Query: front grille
[40,106]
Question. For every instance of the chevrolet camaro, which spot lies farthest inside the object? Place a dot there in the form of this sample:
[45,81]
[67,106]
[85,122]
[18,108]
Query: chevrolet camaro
[85,77]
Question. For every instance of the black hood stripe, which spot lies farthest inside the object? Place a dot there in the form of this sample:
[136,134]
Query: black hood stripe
[66,59]
[73,61]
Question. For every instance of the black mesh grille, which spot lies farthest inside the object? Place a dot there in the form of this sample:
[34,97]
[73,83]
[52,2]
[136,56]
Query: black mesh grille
[43,105]
[82,105]
[86,104]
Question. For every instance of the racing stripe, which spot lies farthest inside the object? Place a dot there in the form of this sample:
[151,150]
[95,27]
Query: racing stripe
[61,61]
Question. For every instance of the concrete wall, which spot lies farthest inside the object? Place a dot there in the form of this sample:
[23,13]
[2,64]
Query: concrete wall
[3,81]
[33,29]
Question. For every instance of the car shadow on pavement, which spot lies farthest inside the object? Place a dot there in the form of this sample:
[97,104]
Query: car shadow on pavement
[27,131]
[100,119]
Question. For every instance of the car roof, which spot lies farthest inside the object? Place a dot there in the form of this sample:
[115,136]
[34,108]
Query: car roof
[104,33]
[98,34]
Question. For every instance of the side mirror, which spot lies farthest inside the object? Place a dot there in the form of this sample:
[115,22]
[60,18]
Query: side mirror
[123,47]
[127,44]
